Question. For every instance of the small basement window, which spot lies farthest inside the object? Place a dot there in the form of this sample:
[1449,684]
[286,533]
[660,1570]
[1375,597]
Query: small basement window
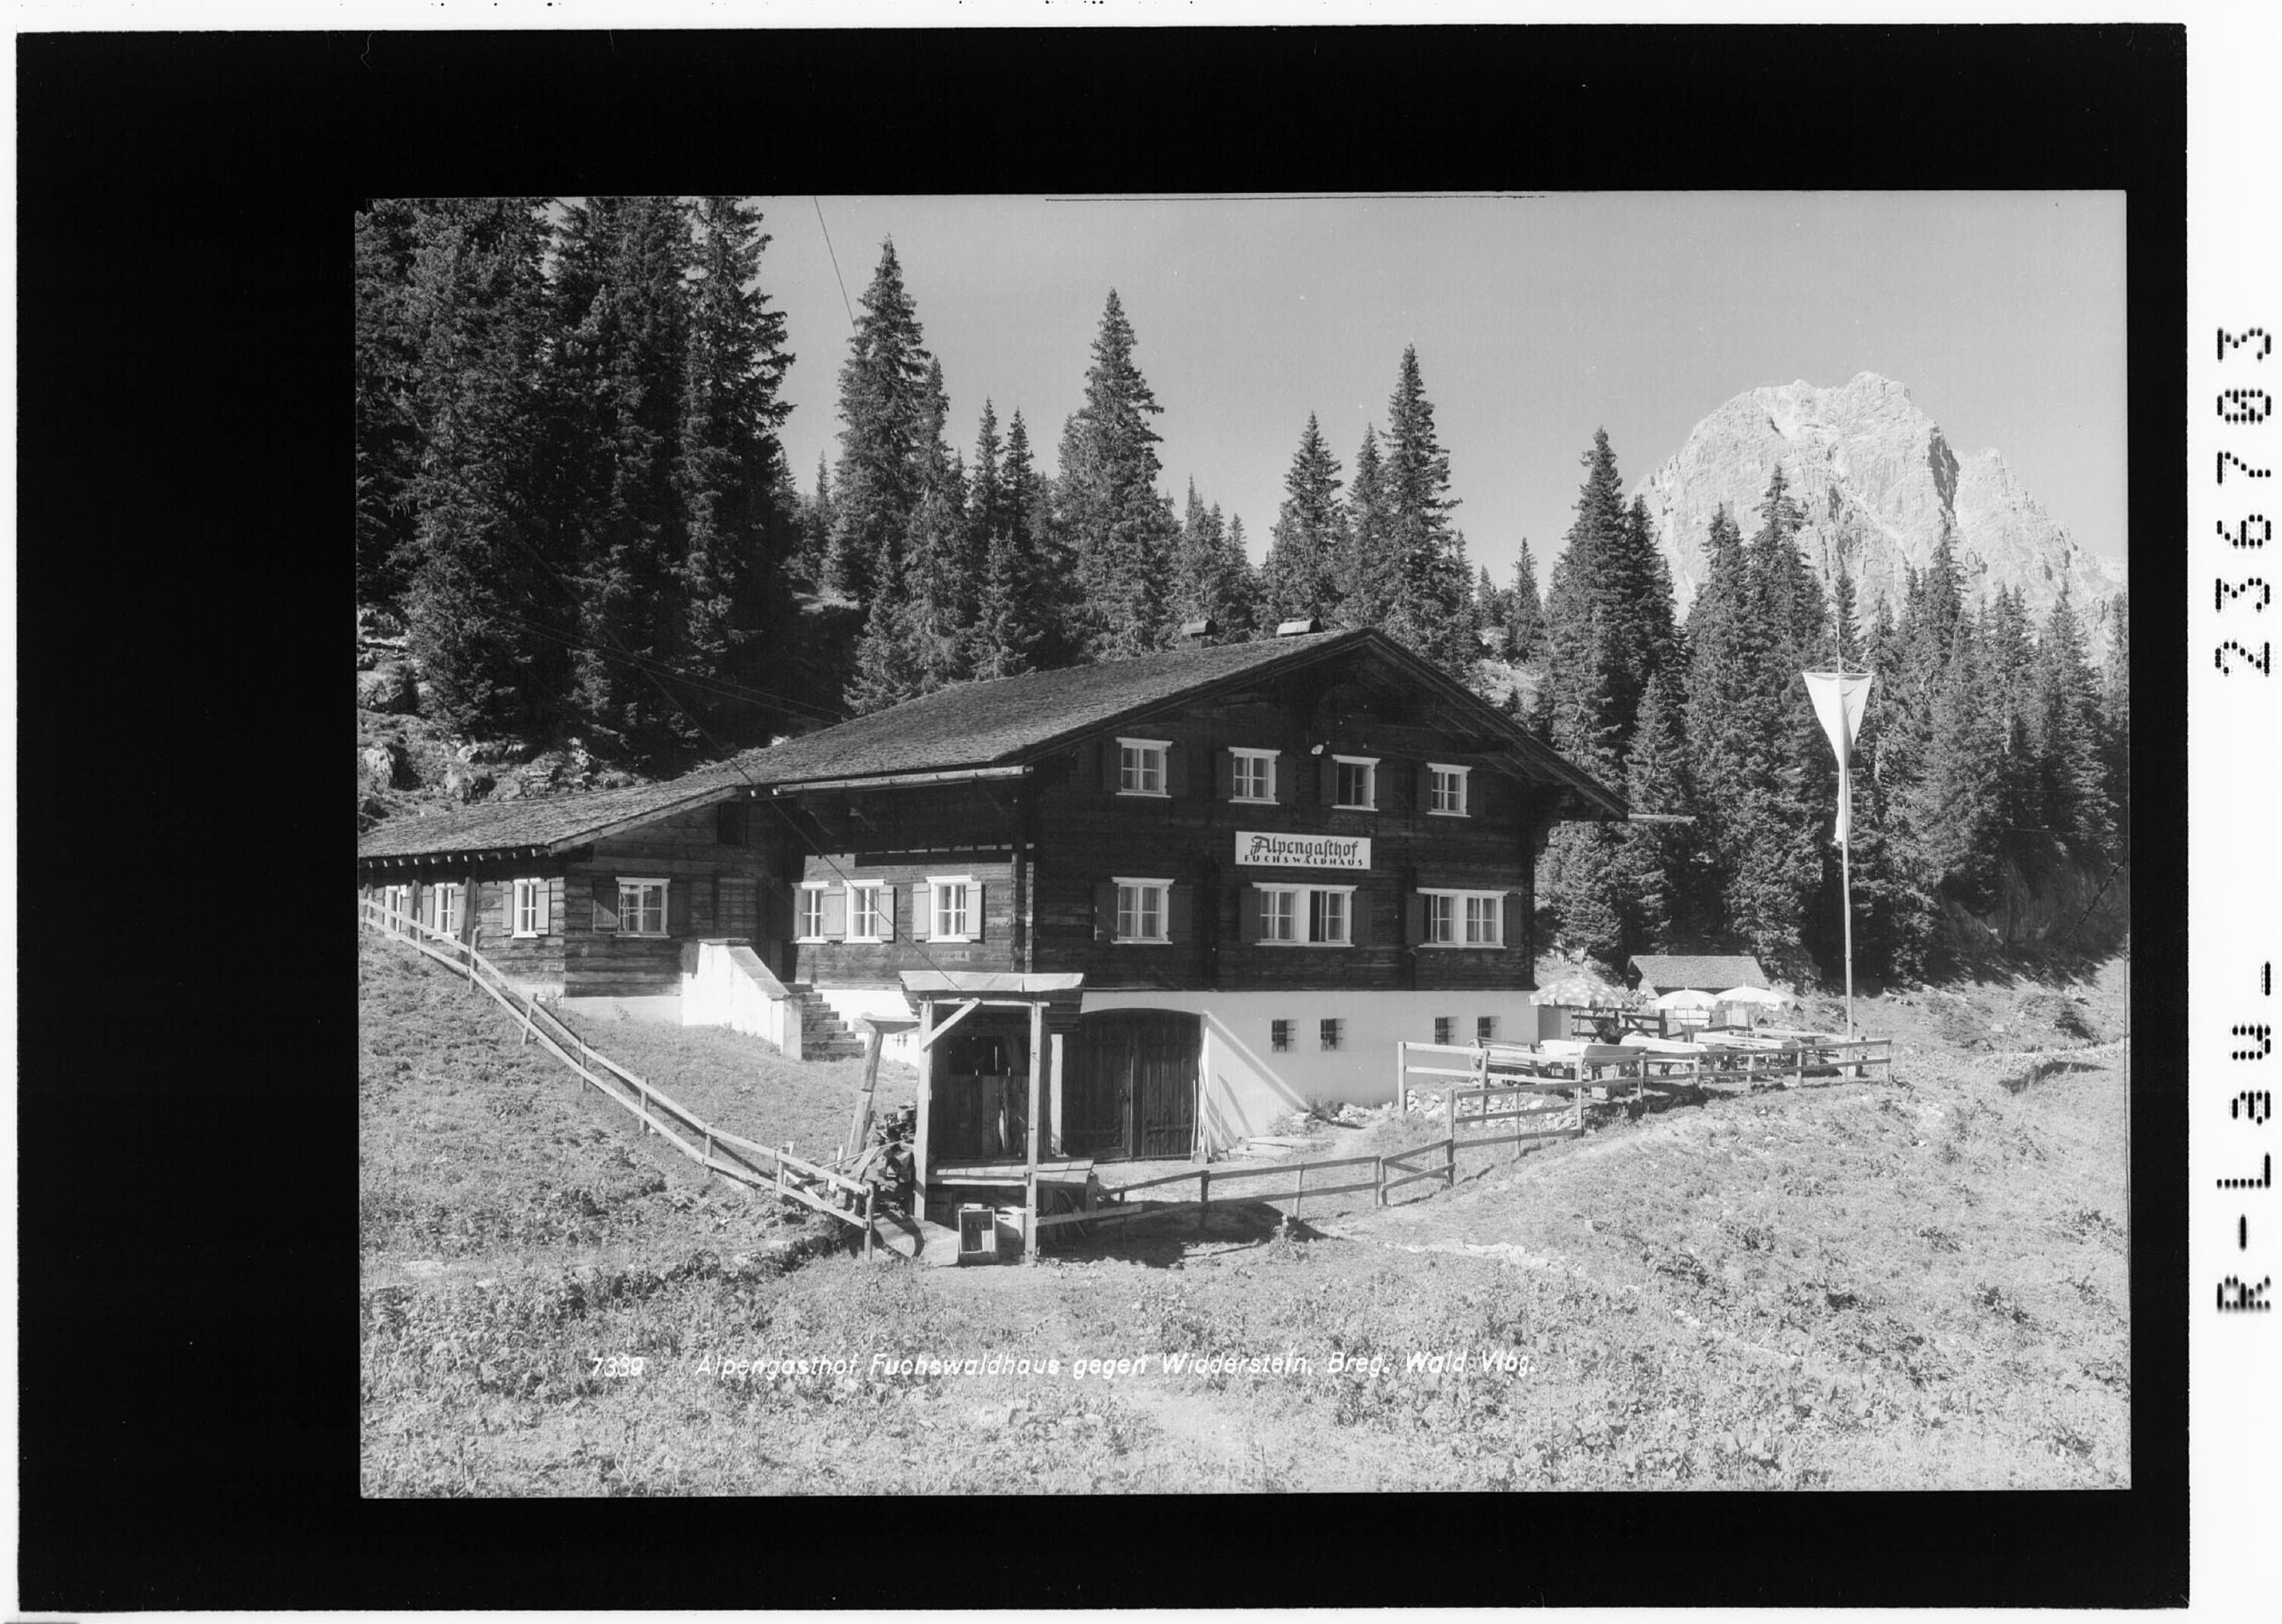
[1328,1031]
[1485,1028]
[641,907]
[1279,1036]
[1444,1025]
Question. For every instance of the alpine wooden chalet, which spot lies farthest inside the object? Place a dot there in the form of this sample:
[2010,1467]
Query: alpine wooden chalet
[1234,876]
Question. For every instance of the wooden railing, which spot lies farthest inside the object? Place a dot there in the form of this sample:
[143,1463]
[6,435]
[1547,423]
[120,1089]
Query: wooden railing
[1544,1097]
[767,1168]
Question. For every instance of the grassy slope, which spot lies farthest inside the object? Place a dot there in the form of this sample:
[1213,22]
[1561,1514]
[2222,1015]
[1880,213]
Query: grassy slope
[1912,1285]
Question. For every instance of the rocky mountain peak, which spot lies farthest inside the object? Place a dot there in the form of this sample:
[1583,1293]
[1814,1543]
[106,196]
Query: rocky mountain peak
[1878,482]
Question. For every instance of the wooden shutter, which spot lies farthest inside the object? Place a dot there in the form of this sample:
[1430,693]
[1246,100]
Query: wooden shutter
[427,894]
[1248,915]
[923,913]
[1180,912]
[1358,918]
[1507,927]
[888,912]
[1224,776]
[1422,789]
[606,902]
[1377,788]
[1414,918]
[1110,757]
[676,907]
[1283,775]
[540,889]
[1105,911]
[1328,779]
[1176,769]
[835,913]
[975,910]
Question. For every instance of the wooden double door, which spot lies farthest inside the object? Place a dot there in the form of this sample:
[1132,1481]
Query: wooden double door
[1132,1091]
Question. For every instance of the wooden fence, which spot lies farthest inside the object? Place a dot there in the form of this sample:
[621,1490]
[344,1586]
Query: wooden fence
[764,1168]
[1543,1097]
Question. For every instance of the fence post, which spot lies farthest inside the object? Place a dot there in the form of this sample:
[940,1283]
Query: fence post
[1378,1171]
[1401,1074]
[708,1183]
[1450,1150]
[1204,1198]
[869,1192]
[1302,1171]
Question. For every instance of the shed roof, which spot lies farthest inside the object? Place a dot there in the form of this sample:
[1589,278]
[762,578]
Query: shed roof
[1705,972]
[969,724]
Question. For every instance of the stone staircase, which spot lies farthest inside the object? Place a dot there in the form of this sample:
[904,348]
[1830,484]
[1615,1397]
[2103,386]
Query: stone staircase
[824,1035]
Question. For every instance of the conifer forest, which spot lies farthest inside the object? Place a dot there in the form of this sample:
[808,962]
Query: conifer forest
[572,500]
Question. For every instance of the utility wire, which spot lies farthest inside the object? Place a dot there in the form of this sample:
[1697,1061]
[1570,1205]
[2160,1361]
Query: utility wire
[844,305]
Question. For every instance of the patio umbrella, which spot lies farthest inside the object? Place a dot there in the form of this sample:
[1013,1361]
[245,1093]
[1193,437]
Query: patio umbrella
[1756,995]
[1685,997]
[1582,992]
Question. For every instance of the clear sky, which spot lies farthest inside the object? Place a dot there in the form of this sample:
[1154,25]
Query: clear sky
[1537,319]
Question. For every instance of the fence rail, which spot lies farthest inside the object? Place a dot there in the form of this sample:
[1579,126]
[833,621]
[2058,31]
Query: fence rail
[765,1168]
[1508,1085]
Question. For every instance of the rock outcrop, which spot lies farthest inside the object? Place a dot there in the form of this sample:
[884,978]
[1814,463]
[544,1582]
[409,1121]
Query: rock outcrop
[1877,482]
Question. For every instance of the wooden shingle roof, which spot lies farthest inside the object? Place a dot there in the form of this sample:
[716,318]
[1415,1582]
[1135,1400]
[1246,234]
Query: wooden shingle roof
[972,725]
[1705,972]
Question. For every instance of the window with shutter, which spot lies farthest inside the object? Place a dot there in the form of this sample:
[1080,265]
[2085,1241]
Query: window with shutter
[606,904]
[955,913]
[641,907]
[1143,913]
[1251,775]
[1355,782]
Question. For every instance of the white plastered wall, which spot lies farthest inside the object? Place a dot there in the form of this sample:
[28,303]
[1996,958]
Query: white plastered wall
[850,1004]
[1248,1086]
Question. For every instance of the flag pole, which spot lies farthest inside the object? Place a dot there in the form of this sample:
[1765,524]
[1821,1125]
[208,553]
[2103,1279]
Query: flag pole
[1846,838]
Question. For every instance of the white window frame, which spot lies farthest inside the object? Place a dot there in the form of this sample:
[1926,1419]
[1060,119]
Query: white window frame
[812,911]
[1162,890]
[626,885]
[874,893]
[526,906]
[937,886]
[396,900]
[1146,752]
[1462,922]
[1303,914]
[1446,1028]
[1331,1033]
[1436,772]
[1266,760]
[1283,1036]
[451,906]
[1441,920]
[1369,764]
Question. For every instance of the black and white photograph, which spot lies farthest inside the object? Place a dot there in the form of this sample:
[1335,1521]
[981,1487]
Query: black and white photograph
[1104,843]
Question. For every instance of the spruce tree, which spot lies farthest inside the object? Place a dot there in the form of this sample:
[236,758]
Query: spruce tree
[2075,771]
[1119,529]
[1659,883]
[737,541]
[886,407]
[388,437]
[482,615]
[1525,620]
[1214,579]
[1368,580]
[1429,611]
[1302,572]
[2116,718]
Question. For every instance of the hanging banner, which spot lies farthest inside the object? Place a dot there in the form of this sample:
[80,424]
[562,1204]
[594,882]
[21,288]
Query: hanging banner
[1838,698]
